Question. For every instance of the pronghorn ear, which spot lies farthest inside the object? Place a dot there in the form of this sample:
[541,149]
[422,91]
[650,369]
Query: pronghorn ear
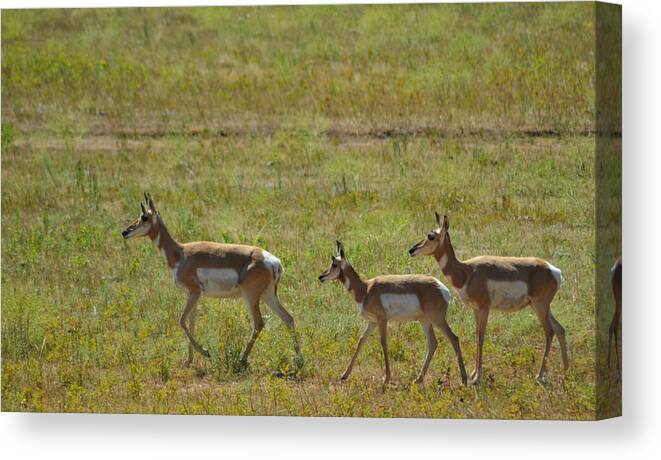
[446,223]
[438,219]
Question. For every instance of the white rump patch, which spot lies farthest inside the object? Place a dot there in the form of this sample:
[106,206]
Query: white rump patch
[219,282]
[274,264]
[445,292]
[613,271]
[507,295]
[557,274]
[401,307]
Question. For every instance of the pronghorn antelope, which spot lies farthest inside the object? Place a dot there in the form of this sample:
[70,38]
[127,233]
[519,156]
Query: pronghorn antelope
[215,270]
[396,298]
[616,285]
[488,283]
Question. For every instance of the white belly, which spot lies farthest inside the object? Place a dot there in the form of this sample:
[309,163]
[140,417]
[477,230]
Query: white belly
[508,295]
[401,307]
[219,282]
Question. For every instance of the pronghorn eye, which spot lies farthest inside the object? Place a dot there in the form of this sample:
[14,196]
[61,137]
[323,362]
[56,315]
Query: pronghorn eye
[143,218]
[431,237]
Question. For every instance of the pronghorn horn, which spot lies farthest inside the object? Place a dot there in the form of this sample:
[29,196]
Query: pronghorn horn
[446,222]
[340,248]
[438,218]
[150,202]
[142,206]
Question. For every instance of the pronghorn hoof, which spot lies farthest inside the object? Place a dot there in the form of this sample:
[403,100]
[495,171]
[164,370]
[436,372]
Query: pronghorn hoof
[344,377]
[206,353]
[418,381]
[475,380]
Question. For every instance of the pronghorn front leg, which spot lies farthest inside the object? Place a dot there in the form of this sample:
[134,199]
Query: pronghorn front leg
[432,344]
[481,319]
[368,331]
[193,297]
[191,328]
[383,331]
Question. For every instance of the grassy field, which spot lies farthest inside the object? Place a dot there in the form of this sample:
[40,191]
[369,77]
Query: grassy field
[288,128]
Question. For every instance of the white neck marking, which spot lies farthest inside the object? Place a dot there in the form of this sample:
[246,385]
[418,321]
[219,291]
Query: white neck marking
[347,284]
[443,261]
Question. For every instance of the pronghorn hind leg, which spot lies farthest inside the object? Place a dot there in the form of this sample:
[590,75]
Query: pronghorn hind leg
[191,304]
[611,329]
[613,334]
[441,323]
[432,344]
[617,349]
[560,332]
[543,314]
[252,302]
[272,300]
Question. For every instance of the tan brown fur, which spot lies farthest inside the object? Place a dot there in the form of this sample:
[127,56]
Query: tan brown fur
[422,291]
[257,278]
[483,282]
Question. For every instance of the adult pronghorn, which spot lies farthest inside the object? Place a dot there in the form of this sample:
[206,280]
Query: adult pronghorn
[488,283]
[396,298]
[215,270]
[616,285]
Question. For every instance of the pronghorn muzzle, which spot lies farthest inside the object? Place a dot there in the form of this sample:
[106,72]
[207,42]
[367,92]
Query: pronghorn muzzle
[414,249]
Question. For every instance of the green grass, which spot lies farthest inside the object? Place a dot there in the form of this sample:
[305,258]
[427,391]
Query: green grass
[451,67]
[105,104]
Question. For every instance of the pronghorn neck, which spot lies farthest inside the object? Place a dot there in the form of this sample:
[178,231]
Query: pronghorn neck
[166,245]
[354,284]
[451,267]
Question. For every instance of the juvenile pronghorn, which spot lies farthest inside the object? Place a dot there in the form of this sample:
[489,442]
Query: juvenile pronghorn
[215,270]
[396,298]
[616,285]
[498,283]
